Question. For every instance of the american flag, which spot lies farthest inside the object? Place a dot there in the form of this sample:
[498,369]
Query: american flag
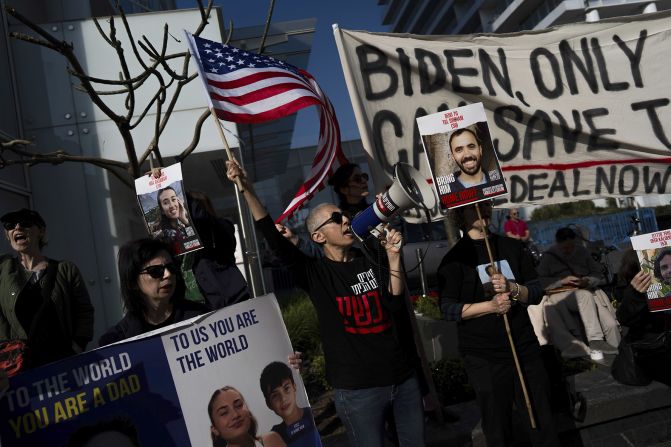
[245,87]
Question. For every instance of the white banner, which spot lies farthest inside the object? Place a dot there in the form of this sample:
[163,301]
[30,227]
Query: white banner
[576,112]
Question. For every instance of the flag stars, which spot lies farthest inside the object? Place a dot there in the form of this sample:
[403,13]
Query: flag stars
[241,62]
[251,65]
[235,50]
[207,45]
[210,60]
[229,59]
[219,55]
[232,67]
[208,51]
[214,70]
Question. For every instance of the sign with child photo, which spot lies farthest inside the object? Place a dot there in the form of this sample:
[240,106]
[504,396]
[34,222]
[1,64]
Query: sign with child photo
[211,381]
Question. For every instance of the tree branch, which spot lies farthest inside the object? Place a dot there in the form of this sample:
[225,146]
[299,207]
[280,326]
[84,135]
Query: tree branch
[267,27]
[196,136]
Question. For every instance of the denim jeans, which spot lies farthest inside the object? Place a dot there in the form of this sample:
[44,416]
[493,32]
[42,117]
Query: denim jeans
[362,412]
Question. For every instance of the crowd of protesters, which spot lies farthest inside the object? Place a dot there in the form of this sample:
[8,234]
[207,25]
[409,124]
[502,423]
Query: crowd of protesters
[46,313]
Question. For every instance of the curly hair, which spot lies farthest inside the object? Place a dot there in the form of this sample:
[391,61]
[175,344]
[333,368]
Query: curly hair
[658,260]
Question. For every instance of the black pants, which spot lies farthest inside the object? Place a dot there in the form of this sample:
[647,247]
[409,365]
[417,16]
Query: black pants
[497,389]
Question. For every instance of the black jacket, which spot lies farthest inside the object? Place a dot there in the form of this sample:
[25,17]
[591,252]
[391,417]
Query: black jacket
[218,277]
[131,325]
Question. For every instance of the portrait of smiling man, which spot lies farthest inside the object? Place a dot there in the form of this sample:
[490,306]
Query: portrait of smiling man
[466,149]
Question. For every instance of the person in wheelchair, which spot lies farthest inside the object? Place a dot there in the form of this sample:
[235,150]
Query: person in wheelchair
[578,315]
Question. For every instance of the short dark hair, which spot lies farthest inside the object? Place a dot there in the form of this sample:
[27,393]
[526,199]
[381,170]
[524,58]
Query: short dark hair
[459,214]
[340,178]
[273,375]
[133,256]
[121,425]
[565,234]
[658,260]
[470,129]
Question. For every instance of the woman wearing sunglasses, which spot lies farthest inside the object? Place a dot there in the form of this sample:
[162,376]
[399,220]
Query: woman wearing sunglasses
[351,186]
[43,302]
[355,299]
[152,289]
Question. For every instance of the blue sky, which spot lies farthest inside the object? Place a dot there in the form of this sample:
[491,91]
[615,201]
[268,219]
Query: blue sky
[324,61]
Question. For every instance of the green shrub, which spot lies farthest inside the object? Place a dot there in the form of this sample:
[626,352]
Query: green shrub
[451,381]
[300,318]
[315,373]
[427,305]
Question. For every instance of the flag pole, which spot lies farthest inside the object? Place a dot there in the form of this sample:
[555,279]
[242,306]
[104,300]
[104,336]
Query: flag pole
[518,367]
[253,262]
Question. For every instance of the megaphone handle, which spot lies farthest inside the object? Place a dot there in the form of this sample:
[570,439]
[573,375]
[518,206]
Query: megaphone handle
[380,232]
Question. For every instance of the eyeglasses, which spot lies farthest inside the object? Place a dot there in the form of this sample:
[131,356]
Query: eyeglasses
[359,178]
[336,217]
[157,271]
[22,223]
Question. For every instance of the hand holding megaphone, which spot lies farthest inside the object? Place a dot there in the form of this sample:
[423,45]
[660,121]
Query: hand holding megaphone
[410,189]
[388,237]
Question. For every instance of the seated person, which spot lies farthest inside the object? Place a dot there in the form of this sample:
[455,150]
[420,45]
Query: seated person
[297,428]
[570,277]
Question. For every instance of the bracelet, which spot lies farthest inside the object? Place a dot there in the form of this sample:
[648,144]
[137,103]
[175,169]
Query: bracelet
[516,294]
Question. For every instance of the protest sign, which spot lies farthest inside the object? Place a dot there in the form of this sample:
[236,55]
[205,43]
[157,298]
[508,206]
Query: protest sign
[158,390]
[579,111]
[654,254]
[460,156]
[165,210]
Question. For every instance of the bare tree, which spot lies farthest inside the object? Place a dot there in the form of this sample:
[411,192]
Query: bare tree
[154,61]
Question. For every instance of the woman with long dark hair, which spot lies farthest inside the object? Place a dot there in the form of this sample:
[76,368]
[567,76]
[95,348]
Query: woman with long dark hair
[173,220]
[152,289]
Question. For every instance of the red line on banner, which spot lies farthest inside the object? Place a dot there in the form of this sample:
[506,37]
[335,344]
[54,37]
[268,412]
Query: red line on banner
[586,164]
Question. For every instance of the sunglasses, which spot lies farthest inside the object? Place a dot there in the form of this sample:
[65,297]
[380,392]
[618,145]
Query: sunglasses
[157,271]
[336,217]
[359,178]
[22,223]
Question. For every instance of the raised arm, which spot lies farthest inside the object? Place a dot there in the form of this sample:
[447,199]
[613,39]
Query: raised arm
[285,250]
[392,244]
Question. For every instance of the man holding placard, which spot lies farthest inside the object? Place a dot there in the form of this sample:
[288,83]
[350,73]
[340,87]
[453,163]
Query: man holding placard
[496,340]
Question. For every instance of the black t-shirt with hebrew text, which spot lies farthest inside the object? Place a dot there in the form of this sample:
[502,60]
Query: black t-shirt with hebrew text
[354,309]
